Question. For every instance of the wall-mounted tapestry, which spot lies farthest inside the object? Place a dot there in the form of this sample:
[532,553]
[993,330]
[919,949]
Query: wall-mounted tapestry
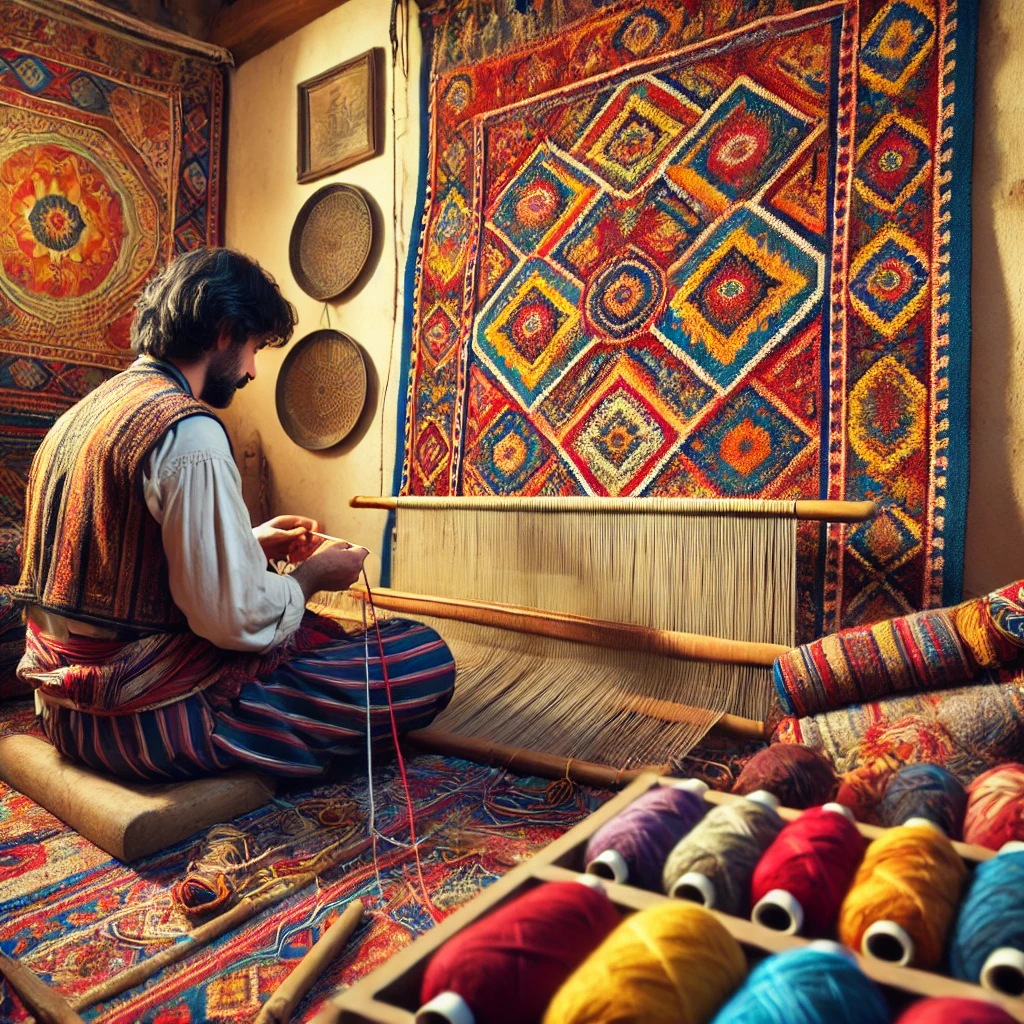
[110,162]
[703,248]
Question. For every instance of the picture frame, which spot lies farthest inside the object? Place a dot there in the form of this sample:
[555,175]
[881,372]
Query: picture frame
[339,117]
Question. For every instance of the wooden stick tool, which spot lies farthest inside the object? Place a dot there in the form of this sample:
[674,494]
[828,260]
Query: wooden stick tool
[47,1006]
[278,1009]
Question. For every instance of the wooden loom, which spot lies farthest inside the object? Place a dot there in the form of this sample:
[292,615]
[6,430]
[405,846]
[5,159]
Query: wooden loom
[597,637]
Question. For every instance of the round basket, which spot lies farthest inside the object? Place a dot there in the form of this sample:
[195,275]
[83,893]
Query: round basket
[330,241]
[321,389]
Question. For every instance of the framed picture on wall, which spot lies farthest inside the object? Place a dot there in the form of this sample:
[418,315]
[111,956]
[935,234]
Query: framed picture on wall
[338,117]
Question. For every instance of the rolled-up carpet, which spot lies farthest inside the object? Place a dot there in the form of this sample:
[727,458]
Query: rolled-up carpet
[930,650]
[966,730]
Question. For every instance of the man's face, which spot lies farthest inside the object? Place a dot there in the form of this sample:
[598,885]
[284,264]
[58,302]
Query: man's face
[227,371]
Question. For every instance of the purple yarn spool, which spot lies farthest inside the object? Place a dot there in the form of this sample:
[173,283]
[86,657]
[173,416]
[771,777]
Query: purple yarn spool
[632,848]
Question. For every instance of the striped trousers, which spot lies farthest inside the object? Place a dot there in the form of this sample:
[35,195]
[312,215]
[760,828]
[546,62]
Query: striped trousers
[307,711]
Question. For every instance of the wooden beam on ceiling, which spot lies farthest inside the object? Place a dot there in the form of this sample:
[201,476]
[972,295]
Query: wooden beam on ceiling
[249,27]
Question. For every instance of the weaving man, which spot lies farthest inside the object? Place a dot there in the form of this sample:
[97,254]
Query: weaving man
[158,643]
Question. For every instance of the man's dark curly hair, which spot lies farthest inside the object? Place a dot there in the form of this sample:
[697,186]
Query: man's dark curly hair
[185,307]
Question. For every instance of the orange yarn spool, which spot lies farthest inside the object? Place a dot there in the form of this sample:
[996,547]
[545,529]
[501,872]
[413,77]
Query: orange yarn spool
[904,896]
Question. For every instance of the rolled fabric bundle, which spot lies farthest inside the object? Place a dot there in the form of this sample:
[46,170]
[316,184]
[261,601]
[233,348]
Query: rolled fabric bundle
[929,650]
[966,729]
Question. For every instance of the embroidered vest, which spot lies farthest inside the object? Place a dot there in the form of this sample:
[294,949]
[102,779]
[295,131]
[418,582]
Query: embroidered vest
[92,550]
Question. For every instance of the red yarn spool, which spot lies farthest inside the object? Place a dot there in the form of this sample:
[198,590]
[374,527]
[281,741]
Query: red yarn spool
[799,883]
[995,807]
[955,1011]
[506,968]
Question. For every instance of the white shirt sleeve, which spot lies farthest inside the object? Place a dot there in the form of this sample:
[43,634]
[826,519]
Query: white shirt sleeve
[218,572]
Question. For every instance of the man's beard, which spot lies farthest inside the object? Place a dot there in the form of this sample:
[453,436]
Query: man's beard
[223,378]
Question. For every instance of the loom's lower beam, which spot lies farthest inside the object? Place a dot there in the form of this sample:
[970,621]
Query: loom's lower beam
[621,636]
[529,762]
[806,508]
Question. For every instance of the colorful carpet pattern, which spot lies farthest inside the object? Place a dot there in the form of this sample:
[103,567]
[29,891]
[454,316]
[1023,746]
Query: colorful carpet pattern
[930,650]
[78,917]
[109,165]
[701,249]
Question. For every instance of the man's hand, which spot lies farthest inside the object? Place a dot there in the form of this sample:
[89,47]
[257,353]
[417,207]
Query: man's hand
[335,565]
[277,535]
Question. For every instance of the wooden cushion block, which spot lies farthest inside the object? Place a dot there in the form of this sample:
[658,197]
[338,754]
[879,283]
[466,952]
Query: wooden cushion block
[125,819]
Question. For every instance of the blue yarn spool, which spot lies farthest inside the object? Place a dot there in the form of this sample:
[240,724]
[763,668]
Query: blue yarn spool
[987,945]
[924,791]
[633,846]
[817,984]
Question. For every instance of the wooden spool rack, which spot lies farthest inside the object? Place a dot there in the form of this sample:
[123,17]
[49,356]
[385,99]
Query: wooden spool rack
[390,995]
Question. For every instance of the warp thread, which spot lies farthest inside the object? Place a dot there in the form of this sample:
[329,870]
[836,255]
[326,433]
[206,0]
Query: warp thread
[799,884]
[955,1010]
[924,791]
[799,776]
[542,936]
[904,896]
[811,985]
[674,962]
[995,807]
[713,865]
[632,848]
[991,919]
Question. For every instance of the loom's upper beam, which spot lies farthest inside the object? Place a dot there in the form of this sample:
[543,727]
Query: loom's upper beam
[821,511]
[623,636]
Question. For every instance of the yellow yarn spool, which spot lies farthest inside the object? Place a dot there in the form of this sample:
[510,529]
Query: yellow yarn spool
[670,964]
[904,896]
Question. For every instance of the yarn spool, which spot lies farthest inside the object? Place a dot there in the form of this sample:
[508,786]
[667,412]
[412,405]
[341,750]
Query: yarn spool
[713,865]
[632,848]
[543,936]
[949,1010]
[904,896]
[995,807]
[797,775]
[674,962]
[818,984]
[799,884]
[988,939]
[924,791]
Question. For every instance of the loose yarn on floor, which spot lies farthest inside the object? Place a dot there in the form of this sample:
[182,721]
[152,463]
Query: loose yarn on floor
[904,896]
[713,865]
[948,1010]
[674,963]
[924,791]
[995,807]
[991,918]
[212,876]
[799,884]
[508,965]
[632,848]
[807,986]
[799,776]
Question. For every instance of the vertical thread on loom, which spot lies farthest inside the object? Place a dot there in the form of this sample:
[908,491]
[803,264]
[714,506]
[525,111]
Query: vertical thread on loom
[703,572]
[369,757]
[429,903]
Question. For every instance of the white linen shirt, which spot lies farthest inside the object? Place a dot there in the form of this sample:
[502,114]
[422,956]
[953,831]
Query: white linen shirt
[218,571]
